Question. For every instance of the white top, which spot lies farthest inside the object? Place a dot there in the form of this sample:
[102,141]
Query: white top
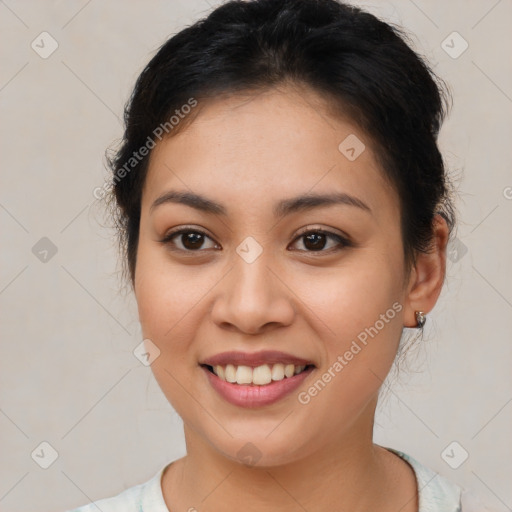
[436,494]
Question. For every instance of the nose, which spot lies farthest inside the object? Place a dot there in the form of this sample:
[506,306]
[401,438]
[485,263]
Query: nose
[253,298]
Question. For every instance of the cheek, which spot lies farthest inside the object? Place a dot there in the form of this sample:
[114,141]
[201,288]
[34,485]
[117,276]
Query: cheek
[361,322]
[171,301]
[360,312]
[165,301]
[350,299]
[165,293]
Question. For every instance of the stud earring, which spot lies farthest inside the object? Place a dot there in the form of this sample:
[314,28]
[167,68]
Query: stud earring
[421,318]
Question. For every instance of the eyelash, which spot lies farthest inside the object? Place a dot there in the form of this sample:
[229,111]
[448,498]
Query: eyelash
[342,241]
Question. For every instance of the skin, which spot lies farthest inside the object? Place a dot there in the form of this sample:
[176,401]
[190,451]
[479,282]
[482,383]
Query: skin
[247,153]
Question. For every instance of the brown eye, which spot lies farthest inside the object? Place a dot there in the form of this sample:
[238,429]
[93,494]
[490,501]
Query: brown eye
[317,240]
[186,240]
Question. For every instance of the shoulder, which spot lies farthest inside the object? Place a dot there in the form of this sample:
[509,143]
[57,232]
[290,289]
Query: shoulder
[144,497]
[472,501]
[435,493]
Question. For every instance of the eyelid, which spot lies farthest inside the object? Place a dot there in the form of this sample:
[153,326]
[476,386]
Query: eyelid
[185,228]
[327,231]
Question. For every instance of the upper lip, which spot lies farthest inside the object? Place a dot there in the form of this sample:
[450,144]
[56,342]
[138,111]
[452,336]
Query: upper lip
[254,359]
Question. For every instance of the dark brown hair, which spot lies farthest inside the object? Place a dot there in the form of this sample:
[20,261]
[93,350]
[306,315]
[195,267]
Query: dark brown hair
[356,61]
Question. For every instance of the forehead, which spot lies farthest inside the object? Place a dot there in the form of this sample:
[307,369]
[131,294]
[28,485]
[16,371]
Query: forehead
[266,146]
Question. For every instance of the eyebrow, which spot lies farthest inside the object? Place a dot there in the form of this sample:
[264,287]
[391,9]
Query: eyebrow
[282,208]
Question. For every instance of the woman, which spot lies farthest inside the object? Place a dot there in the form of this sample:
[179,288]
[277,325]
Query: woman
[284,213]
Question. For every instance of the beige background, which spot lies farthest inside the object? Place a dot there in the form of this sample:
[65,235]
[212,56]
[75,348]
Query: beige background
[67,372]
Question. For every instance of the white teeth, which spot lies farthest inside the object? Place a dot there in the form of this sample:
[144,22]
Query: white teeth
[289,370]
[262,375]
[278,372]
[298,369]
[244,375]
[259,376]
[219,370]
[230,373]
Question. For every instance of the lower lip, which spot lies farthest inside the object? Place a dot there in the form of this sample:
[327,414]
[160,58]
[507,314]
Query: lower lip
[256,396]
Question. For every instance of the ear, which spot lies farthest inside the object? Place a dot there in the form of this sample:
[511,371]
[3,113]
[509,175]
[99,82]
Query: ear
[427,275]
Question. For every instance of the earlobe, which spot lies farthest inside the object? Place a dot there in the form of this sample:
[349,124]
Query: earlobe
[427,276]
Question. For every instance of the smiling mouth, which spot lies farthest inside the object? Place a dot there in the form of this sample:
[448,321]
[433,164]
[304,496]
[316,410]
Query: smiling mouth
[256,376]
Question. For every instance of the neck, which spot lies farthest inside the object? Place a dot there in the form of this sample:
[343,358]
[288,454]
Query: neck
[348,473]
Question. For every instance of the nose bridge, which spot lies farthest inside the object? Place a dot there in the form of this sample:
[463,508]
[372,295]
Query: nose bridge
[252,296]
[252,278]
[251,281]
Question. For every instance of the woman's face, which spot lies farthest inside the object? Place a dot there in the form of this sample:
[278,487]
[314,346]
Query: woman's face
[255,282]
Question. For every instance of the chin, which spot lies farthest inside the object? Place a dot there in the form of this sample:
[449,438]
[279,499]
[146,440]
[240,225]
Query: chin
[261,450]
